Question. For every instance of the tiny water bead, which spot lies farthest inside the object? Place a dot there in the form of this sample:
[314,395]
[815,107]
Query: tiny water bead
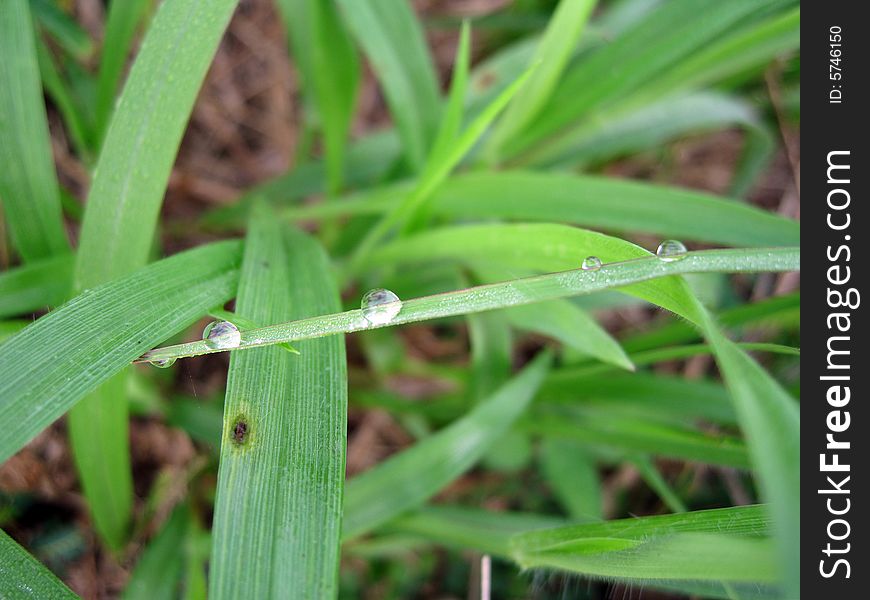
[221,335]
[591,263]
[164,363]
[379,307]
[671,250]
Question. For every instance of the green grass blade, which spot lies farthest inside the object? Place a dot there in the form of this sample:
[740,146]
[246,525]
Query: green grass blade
[515,293]
[159,569]
[630,435]
[408,479]
[393,41]
[647,395]
[280,481]
[330,71]
[98,429]
[122,20]
[588,201]
[491,353]
[41,283]
[72,113]
[571,325]
[124,201]
[22,576]
[54,362]
[437,169]
[645,52]
[720,545]
[654,479]
[573,478]
[614,133]
[143,138]
[63,28]
[770,419]
[555,48]
[28,185]
[462,527]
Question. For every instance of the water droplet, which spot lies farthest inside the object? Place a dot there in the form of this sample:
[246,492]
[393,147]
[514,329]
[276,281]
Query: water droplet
[221,335]
[163,363]
[591,263]
[379,307]
[671,250]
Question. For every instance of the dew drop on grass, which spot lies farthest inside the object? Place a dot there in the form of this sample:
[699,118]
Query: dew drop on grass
[163,363]
[591,263]
[671,250]
[221,335]
[379,307]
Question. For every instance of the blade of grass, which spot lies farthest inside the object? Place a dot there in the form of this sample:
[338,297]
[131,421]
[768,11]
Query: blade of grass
[723,544]
[437,169]
[507,294]
[588,201]
[55,361]
[22,576]
[571,325]
[281,473]
[124,16]
[770,419]
[654,479]
[393,41]
[74,117]
[121,216]
[159,569]
[648,395]
[41,283]
[28,184]
[408,479]
[573,478]
[63,28]
[555,48]
[630,435]
[463,527]
[330,72]
[645,53]
[451,120]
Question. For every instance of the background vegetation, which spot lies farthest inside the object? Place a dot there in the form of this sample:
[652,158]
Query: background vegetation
[610,428]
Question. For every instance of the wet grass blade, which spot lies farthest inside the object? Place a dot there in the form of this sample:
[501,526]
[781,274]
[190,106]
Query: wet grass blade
[393,41]
[718,545]
[28,183]
[22,576]
[283,444]
[409,478]
[51,364]
[330,70]
[506,294]
[41,283]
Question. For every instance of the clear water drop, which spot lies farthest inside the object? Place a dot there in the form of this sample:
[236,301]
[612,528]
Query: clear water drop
[671,250]
[164,363]
[379,307]
[591,263]
[221,335]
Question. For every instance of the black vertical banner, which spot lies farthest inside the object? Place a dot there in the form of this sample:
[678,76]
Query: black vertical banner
[834,414]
